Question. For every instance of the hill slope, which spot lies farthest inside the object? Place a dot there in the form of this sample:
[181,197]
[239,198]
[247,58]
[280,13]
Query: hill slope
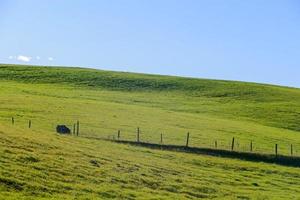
[265,104]
[47,165]
[41,165]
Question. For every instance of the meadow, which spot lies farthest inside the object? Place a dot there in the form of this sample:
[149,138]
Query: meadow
[38,163]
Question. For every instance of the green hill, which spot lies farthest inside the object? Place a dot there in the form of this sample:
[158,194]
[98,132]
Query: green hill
[265,104]
[38,163]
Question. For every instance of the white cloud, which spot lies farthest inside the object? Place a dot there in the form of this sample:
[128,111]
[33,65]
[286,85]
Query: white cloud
[24,58]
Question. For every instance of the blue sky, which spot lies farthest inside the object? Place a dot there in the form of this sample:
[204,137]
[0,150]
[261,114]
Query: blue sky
[254,40]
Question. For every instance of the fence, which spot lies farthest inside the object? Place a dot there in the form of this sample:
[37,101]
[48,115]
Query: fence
[234,144]
[189,139]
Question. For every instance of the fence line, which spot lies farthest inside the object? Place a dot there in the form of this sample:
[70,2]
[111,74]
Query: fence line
[234,145]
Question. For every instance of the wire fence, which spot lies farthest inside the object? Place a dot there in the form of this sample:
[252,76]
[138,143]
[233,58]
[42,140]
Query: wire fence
[190,139]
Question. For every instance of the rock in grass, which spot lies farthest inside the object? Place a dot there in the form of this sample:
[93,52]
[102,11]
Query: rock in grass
[63,129]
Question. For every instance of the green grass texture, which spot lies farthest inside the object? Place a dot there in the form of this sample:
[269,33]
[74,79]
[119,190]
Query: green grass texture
[37,163]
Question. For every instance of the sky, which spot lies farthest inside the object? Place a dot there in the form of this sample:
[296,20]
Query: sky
[254,40]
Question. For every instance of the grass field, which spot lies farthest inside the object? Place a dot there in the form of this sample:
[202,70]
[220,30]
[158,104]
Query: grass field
[37,163]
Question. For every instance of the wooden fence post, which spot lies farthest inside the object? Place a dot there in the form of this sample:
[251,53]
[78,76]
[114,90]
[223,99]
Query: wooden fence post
[12,121]
[138,135]
[119,134]
[161,138]
[187,139]
[29,124]
[251,146]
[291,149]
[74,129]
[77,131]
[232,144]
[276,149]
[216,144]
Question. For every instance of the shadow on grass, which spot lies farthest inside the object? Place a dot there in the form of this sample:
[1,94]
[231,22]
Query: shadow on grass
[256,157]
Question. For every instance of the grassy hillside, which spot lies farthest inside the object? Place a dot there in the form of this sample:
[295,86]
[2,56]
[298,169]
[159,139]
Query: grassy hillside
[42,165]
[264,104]
[49,165]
